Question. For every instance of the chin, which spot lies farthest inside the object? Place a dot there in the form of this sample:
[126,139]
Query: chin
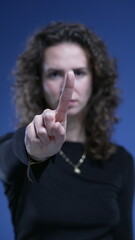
[73,113]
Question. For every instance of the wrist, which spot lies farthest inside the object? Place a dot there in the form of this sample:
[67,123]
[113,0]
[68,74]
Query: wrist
[36,160]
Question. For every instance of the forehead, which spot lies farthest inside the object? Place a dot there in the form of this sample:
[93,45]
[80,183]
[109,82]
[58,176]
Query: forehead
[65,55]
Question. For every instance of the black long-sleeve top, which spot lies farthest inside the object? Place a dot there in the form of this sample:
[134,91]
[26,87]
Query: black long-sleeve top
[61,204]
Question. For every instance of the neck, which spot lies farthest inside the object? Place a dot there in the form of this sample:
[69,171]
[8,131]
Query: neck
[75,130]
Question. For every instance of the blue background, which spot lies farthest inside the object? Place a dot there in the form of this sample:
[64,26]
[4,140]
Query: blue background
[113,20]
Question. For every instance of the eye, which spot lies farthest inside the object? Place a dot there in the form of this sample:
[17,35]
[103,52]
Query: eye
[54,74]
[79,73]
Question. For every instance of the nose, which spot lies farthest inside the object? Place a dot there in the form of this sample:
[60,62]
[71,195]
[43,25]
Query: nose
[75,90]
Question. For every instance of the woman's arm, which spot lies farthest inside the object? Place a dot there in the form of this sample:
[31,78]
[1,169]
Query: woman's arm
[12,145]
[124,231]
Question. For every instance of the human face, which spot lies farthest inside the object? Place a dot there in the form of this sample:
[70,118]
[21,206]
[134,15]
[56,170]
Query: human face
[57,61]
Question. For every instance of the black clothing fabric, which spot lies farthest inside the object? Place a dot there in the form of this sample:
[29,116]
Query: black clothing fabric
[61,204]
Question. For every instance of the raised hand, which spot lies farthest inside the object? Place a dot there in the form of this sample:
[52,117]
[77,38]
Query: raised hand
[45,135]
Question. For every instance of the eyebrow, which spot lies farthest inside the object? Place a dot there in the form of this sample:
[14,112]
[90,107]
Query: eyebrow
[61,70]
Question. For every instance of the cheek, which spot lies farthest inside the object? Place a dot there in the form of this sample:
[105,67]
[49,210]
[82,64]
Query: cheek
[50,94]
[89,87]
[49,89]
[87,90]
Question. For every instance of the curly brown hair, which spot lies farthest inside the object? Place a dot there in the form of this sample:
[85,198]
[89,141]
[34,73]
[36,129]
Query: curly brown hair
[100,111]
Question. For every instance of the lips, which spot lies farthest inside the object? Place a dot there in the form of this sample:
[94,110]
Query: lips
[72,103]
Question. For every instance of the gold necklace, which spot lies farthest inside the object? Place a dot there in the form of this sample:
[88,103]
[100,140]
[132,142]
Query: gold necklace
[75,166]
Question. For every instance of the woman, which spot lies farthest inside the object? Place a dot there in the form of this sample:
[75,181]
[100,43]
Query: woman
[63,176]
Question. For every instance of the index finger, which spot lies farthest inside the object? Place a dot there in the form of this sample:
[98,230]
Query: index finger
[61,111]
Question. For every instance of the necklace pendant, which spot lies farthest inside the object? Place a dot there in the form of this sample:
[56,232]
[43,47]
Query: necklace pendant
[77,170]
[75,166]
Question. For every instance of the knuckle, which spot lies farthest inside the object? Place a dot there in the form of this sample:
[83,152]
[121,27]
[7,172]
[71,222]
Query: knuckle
[48,114]
[28,127]
[36,117]
[46,111]
[28,130]
[41,132]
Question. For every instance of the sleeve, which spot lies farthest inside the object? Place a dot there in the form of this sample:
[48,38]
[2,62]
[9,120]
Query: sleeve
[14,160]
[13,156]
[124,230]
[21,153]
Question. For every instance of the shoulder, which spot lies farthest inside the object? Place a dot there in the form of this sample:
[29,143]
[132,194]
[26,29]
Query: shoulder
[122,155]
[122,159]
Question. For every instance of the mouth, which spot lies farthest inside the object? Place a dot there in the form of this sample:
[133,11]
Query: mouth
[72,103]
